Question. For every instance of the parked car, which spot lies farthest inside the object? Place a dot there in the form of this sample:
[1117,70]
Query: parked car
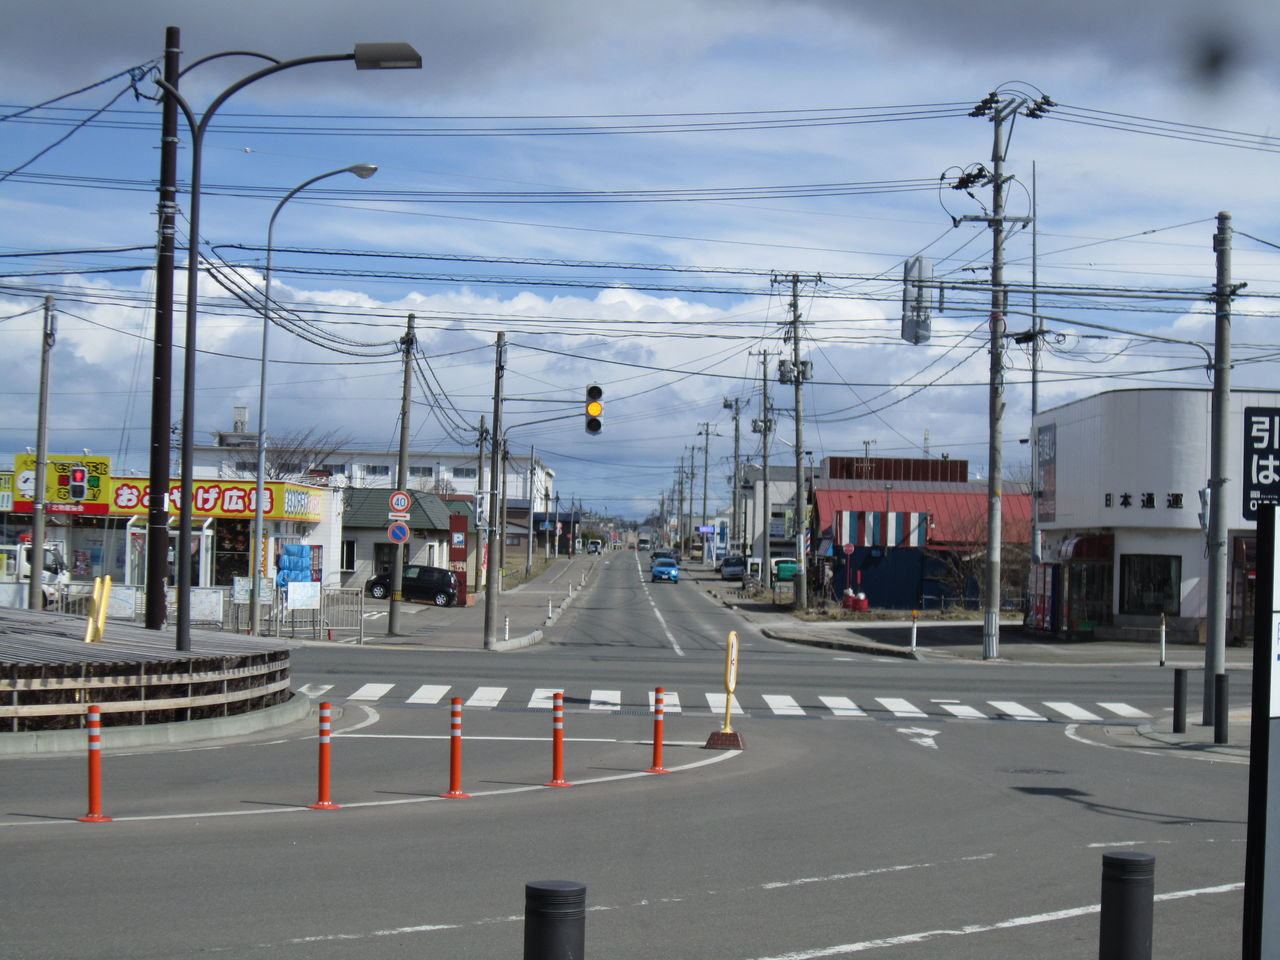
[433,584]
[665,569]
[732,568]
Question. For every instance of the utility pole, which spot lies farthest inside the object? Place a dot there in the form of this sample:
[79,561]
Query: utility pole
[735,530]
[799,375]
[35,586]
[407,343]
[162,351]
[764,426]
[680,504]
[1219,432]
[480,505]
[706,448]
[492,576]
[1001,108]
[533,487]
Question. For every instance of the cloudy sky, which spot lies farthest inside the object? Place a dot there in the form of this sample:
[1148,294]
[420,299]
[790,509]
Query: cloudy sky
[627,196]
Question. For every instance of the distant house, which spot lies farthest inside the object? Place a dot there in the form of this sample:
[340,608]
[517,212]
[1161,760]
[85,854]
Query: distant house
[366,550]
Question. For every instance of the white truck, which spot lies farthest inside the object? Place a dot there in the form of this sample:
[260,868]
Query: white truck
[15,567]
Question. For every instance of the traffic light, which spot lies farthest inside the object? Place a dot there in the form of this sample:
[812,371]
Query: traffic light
[77,483]
[594,409]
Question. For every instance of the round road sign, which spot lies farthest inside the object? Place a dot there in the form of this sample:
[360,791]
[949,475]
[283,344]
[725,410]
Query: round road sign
[848,548]
[398,532]
[400,501]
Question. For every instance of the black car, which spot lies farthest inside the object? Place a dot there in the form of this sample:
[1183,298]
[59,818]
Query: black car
[433,584]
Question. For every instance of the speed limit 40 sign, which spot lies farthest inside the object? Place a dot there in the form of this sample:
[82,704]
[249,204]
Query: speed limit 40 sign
[399,502]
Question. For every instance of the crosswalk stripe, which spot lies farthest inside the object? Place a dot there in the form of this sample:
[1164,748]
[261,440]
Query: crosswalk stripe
[716,702]
[544,698]
[372,691]
[315,689]
[783,705]
[607,700]
[428,693]
[1072,712]
[670,701]
[961,710]
[486,697]
[1124,710]
[842,706]
[900,708]
[1015,710]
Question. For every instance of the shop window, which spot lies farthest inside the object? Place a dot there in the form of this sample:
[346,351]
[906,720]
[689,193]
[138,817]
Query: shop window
[1150,584]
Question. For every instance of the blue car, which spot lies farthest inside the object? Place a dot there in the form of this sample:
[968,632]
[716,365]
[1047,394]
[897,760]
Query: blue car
[665,569]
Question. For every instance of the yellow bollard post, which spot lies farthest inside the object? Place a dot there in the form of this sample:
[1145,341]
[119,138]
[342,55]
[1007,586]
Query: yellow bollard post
[104,603]
[726,738]
[93,610]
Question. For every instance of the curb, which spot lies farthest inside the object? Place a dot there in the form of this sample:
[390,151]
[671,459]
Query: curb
[874,649]
[294,710]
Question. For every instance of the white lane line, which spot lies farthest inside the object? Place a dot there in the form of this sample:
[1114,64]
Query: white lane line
[662,622]
[544,698]
[315,689]
[842,706]
[783,705]
[486,697]
[1124,710]
[607,700]
[428,693]
[1016,711]
[1072,712]
[900,708]
[717,758]
[372,691]
[1071,732]
[961,710]
[923,936]
[715,701]
[670,701]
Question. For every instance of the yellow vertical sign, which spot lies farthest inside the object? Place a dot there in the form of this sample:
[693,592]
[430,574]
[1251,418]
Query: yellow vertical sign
[730,678]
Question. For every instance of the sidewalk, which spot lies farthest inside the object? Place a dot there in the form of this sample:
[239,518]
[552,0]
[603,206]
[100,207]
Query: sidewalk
[522,613]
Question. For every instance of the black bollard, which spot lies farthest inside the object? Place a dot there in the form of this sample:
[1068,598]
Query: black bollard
[1220,704]
[1180,700]
[555,920]
[1128,896]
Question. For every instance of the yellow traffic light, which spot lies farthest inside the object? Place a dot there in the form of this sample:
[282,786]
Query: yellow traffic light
[594,409]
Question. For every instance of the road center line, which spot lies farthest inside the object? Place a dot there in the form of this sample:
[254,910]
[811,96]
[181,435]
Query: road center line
[658,613]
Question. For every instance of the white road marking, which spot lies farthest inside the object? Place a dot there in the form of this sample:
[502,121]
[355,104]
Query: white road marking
[845,949]
[1072,712]
[606,700]
[315,689]
[486,697]
[963,711]
[1016,711]
[842,706]
[1124,710]
[656,612]
[544,698]
[372,691]
[921,736]
[900,708]
[670,701]
[716,702]
[428,693]
[783,705]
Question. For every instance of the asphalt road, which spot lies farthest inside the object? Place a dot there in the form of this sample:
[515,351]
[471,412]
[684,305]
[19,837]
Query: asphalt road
[834,833]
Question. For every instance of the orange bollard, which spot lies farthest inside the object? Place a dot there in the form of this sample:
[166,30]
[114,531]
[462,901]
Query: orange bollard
[455,752]
[322,788]
[557,744]
[659,698]
[95,814]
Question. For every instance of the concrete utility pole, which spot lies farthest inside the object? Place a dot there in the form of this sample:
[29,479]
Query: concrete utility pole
[533,487]
[764,426]
[407,343]
[35,586]
[735,527]
[801,514]
[1219,431]
[480,505]
[706,451]
[1001,108]
[492,575]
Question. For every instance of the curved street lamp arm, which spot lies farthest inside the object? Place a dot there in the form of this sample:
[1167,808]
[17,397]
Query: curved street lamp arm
[227,53]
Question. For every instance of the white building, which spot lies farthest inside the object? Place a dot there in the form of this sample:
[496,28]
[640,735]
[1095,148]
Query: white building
[1118,500]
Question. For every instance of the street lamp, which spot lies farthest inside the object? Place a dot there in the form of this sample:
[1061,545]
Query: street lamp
[364,171]
[367,56]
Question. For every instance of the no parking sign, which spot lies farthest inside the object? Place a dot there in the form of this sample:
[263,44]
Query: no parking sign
[398,532]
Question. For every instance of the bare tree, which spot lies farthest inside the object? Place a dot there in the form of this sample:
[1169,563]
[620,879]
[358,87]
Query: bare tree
[291,455]
[963,557]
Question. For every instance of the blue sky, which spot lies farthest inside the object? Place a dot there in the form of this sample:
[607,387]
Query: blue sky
[534,99]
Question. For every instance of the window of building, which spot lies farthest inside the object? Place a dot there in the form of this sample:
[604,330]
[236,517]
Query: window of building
[348,556]
[421,471]
[1150,584]
[246,466]
[290,469]
[465,473]
[336,469]
[377,470]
